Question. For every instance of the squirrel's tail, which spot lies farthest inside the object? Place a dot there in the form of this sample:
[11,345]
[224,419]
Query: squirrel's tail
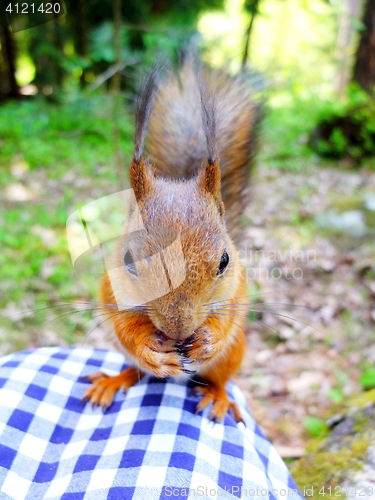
[177,139]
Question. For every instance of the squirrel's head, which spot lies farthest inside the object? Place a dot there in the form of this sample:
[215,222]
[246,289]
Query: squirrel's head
[183,261]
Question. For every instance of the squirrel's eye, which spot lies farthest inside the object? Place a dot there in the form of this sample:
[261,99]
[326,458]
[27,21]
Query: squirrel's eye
[223,263]
[129,263]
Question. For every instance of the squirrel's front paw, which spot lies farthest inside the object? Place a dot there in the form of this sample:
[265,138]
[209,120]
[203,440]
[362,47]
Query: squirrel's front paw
[158,356]
[201,347]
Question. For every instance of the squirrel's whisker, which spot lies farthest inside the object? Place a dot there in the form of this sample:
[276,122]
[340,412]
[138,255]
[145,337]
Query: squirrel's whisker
[69,313]
[239,326]
[240,297]
[285,316]
[271,328]
[218,313]
[265,311]
[96,305]
[99,325]
[267,304]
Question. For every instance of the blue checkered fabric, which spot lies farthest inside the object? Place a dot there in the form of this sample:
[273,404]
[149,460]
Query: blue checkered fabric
[148,445]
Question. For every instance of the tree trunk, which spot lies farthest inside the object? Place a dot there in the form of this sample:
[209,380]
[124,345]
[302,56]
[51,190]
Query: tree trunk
[116,82]
[81,34]
[59,44]
[364,67]
[159,7]
[116,89]
[351,11]
[253,13]
[8,50]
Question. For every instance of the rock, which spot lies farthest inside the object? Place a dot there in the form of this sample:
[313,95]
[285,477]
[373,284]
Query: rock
[345,459]
[335,420]
[363,265]
[327,314]
[370,201]
[351,222]
[370,285]
[19,167]
[48,236]
[263,356]
[18,192]
[299,385]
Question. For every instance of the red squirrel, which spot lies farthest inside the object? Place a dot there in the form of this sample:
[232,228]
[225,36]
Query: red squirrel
[201,140]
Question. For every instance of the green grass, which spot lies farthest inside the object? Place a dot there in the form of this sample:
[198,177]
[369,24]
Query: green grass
[71,134]
[49,141]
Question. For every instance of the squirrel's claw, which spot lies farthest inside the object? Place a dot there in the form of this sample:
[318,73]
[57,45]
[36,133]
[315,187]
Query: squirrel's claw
[103,388]
[194,392]
[94,376]
[187,361]
[189,372]
[220,403]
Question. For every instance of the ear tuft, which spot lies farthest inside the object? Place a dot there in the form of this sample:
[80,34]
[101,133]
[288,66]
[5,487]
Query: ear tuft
[209,182]
[141,178]
[209,179]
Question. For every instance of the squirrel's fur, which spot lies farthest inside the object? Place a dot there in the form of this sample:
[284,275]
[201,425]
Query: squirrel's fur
[201,140]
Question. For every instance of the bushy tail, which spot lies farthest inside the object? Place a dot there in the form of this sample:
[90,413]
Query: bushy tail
[177,138]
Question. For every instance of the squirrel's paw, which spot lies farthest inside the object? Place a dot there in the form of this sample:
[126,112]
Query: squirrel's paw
[220,403]
[159,358]
[104,387]
[203,346]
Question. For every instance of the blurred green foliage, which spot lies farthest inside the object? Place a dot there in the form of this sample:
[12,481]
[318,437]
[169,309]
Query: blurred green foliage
[77,131]
[285,133]
[367,379]
[314,425]
[346,128]
[75,48]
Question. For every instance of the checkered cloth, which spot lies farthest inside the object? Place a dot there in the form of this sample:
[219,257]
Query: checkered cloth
[148,445]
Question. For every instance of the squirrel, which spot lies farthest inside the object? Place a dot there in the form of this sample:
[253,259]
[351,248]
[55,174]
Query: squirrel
[197,327]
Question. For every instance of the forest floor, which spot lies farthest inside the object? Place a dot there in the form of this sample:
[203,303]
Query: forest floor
[309,255]
[311,250]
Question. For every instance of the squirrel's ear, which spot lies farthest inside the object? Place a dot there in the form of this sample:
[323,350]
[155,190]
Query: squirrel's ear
[141,179]
[209,182]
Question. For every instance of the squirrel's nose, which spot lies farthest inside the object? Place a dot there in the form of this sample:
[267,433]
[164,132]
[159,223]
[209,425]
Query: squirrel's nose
[177,329]
[175,323]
